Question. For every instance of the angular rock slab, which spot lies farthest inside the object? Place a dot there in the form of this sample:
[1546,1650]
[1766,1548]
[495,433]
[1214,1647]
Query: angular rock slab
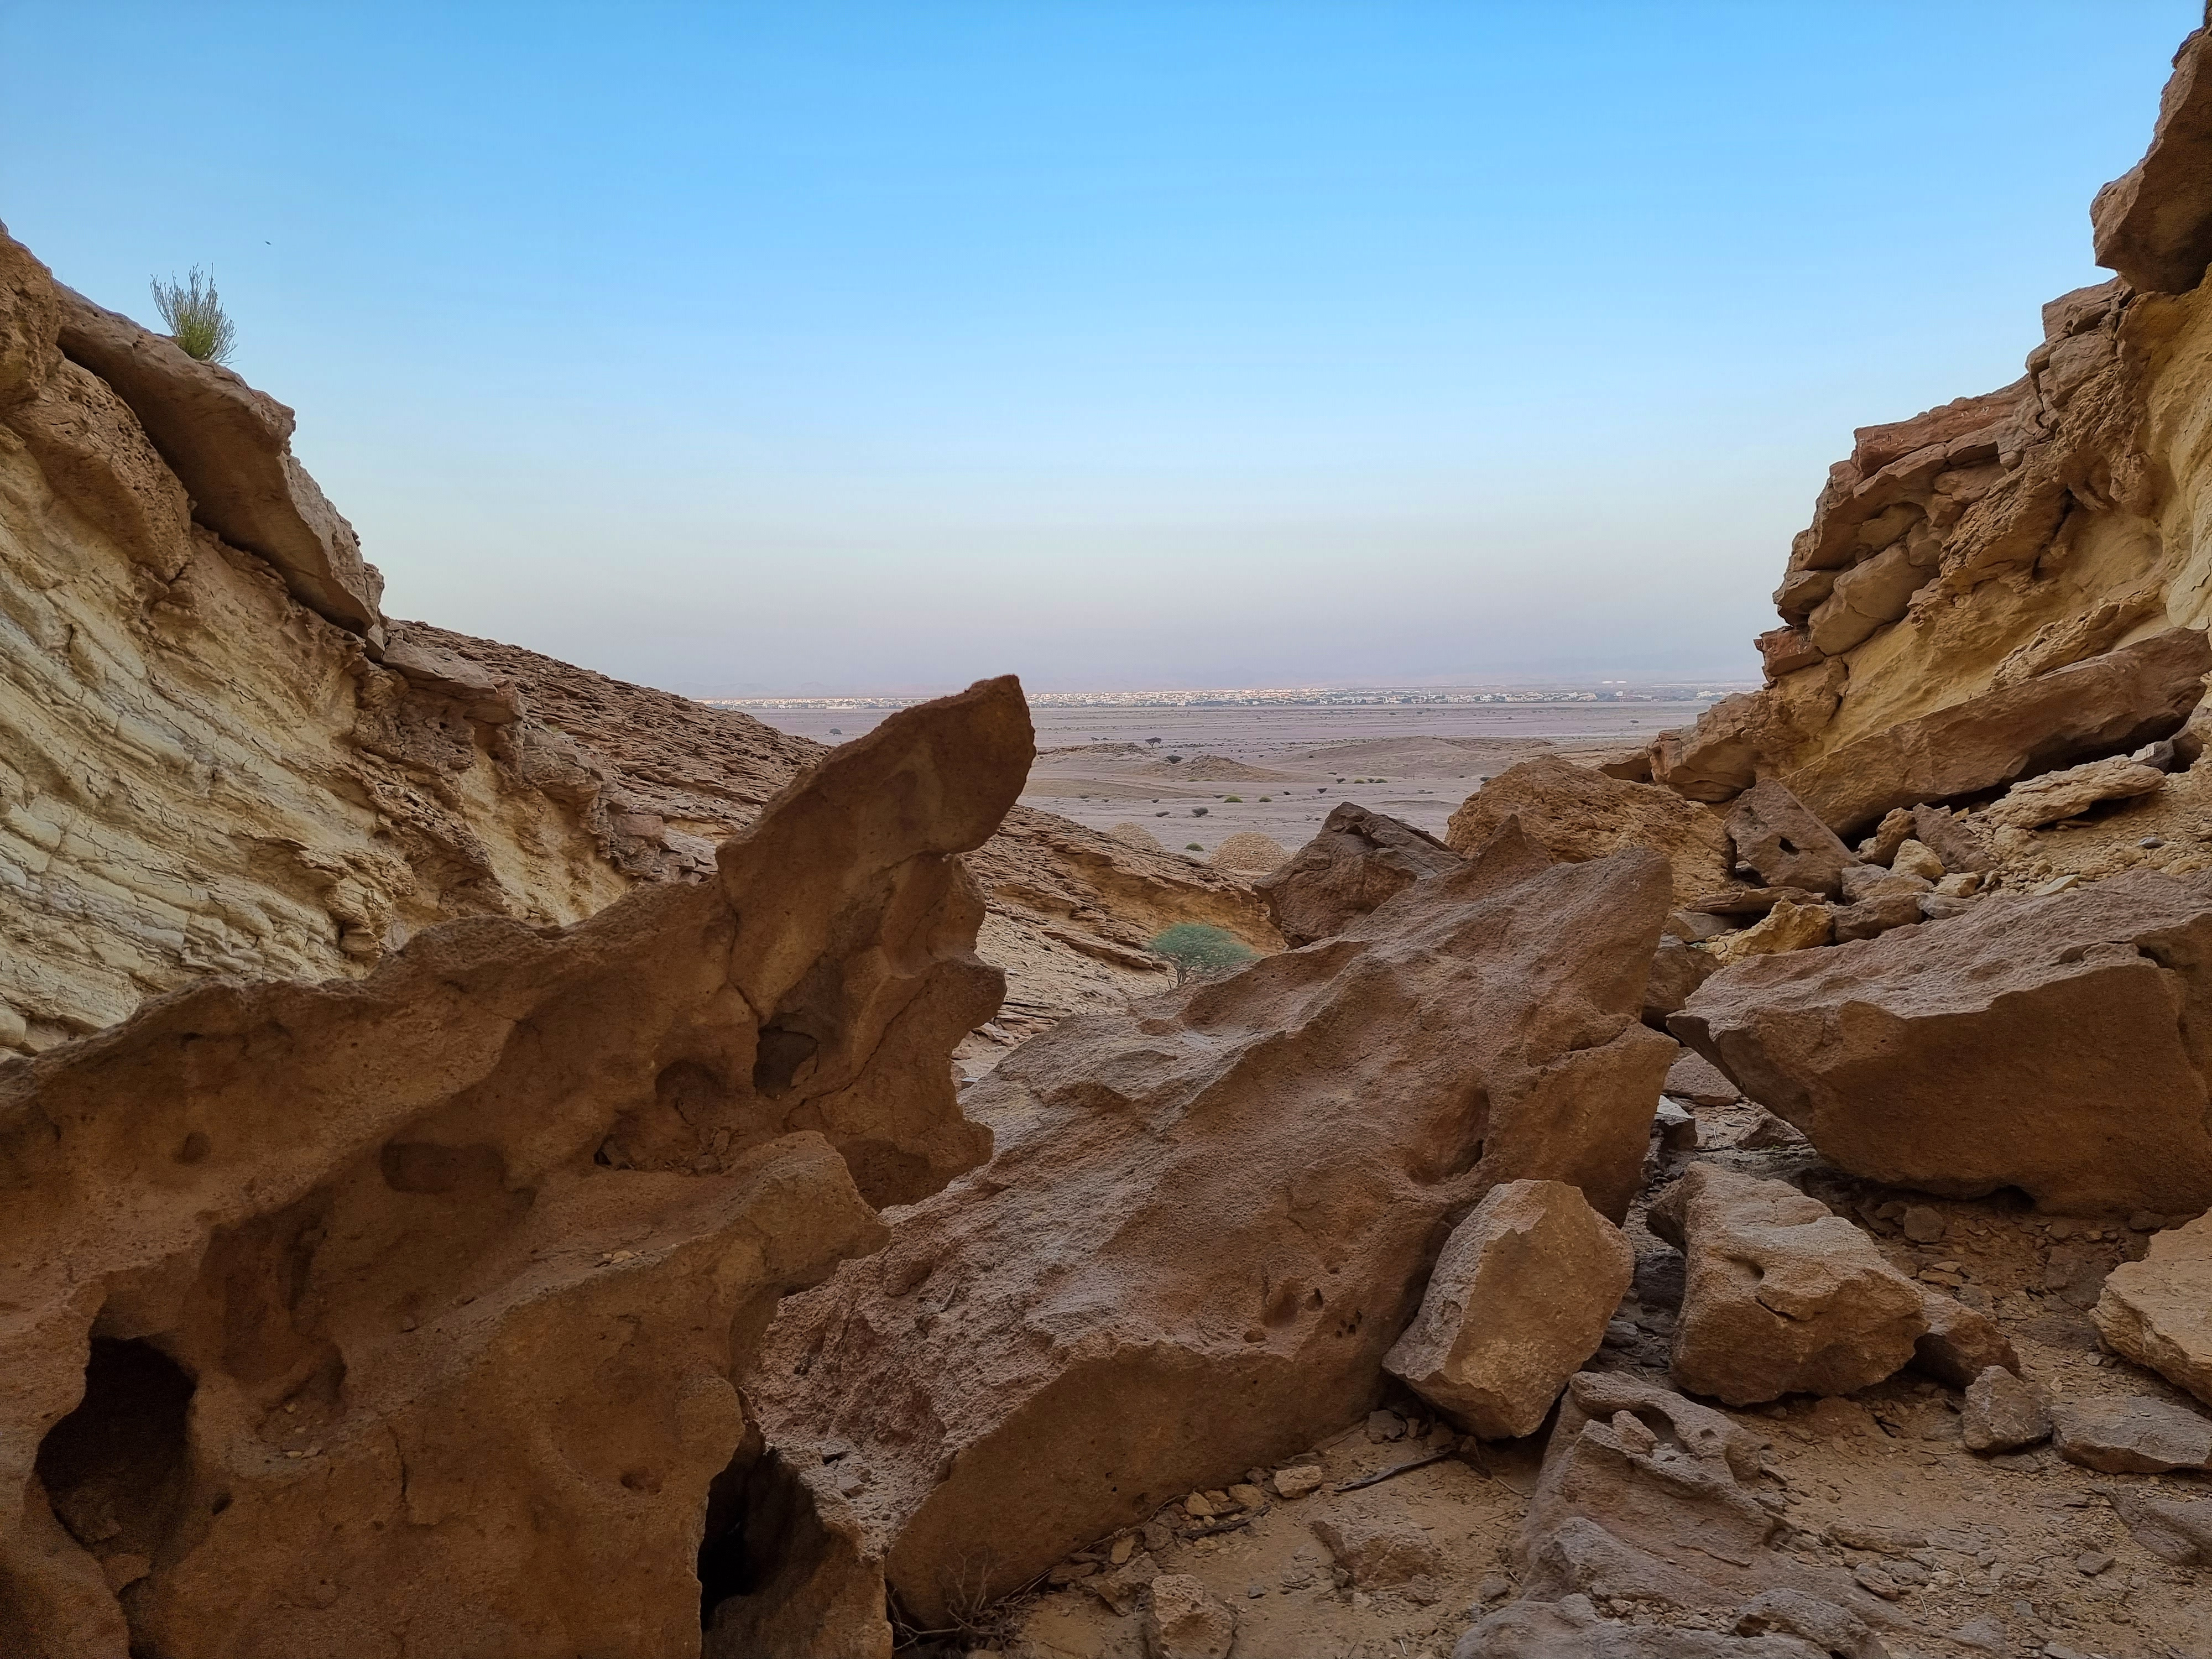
[416,1301]
[1516,1303]
[2158,1311]
[231,448]
[2134,1434]
[1781,1295]
[1571,1628]
[1648,1496]
[1359,859]
[1210,1214]
[2153,224]
[2105,705]
[2054,1044]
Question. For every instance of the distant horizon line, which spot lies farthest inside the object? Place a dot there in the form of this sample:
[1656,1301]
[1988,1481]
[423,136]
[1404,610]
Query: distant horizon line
[1341,693]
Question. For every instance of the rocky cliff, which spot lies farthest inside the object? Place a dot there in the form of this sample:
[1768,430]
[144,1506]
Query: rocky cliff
[1958,615]
[221,756]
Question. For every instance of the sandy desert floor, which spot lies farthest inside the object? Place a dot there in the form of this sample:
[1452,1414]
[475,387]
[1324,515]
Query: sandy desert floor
[1278,769]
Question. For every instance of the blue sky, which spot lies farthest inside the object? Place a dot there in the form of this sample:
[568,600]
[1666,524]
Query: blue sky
[754,348]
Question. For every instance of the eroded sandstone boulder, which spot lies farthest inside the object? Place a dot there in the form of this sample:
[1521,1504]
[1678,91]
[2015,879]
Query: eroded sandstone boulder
[1772,831]
[1210,1215]
[2158,1311]
[413,1303]
[1781,1295]
[1577,813]
[1357,861]
[1514,1305]
[2048,1043]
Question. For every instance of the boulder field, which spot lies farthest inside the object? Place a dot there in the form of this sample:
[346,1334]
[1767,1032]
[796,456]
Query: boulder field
[498,1163]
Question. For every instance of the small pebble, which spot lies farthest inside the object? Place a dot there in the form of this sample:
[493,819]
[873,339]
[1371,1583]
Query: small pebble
[1255,1591]
[2150,843]
[2090,1563]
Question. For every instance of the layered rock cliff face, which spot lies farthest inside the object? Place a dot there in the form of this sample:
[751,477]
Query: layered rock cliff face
[1969,573]
[218,755]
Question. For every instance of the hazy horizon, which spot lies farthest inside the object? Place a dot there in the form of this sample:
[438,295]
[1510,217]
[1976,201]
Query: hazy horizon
[874,346]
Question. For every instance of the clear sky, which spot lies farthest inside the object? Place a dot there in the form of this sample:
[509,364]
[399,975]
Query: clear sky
[1120,343]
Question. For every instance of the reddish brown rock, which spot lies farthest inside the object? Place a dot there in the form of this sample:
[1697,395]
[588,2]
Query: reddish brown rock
[2103,705]
[1359,859]
[2002,1412]
[1210,1216]
[2047,1044]
[1677,969]
[231,448]
[417,1301]
[1516,1304]
[1960,1345]
[1782,1295]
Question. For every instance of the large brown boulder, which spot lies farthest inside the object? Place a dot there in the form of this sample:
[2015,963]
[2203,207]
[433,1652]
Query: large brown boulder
[1781,1294]
[1210,1214]
[2053,1043]
[1359,859]
[2103,705]
[231,448]
[1576,812]
[336,1311]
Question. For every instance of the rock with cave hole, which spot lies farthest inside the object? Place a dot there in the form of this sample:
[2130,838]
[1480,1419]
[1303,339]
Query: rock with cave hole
[428,1290]
[1210,1214]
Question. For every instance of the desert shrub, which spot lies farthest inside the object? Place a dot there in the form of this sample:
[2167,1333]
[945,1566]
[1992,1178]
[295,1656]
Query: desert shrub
[195,316]
[1199,951]
[1198,811]
[1192,847]
[1235,798]
[1175,760]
